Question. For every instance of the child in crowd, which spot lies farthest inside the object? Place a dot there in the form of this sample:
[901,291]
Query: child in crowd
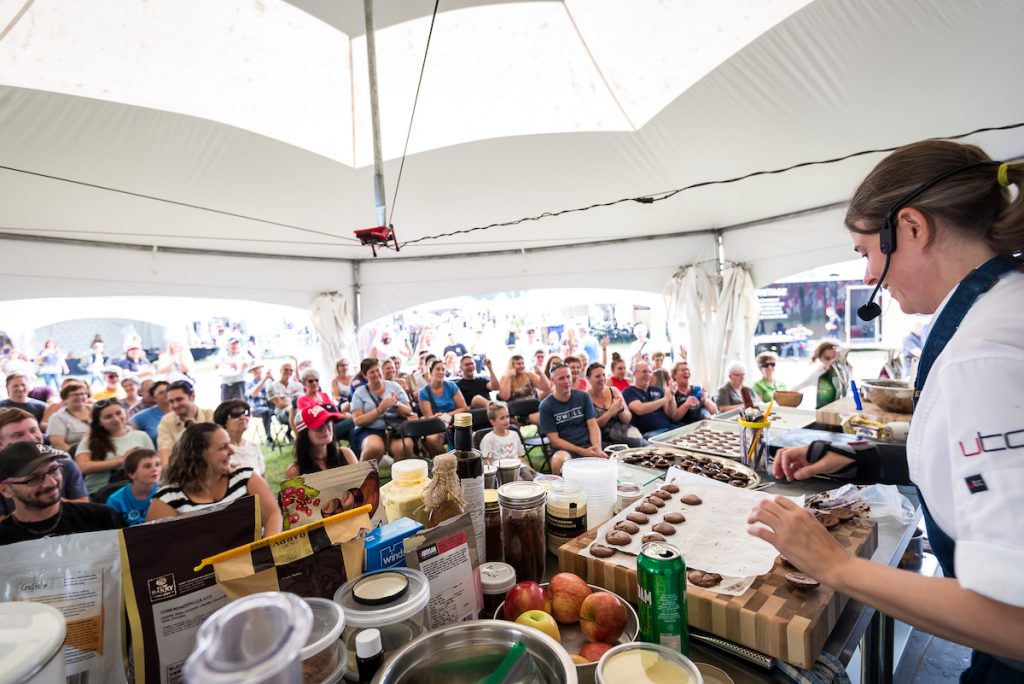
[132,501]
[502,442]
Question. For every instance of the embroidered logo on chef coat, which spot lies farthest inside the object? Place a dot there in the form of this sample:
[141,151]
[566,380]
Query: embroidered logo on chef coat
[976,483]
[998,441]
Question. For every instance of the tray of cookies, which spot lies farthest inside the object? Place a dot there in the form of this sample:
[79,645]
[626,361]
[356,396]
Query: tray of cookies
[715,467]
[715,437]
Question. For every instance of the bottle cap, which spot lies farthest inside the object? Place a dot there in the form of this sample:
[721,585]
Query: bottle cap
[463,420]
[368,643]
[409,470]
[496,578]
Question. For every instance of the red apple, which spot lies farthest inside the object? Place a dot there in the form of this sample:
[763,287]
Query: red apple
[526,596]
[602,617]
[538,619]
[567,594]
[593,652]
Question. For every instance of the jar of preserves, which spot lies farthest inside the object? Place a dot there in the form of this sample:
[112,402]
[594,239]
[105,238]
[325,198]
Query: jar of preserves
[523,528]
[492,526]
[566,515]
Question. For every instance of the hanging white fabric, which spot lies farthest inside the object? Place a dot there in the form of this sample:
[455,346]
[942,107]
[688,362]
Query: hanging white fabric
[735,322]
[337,331]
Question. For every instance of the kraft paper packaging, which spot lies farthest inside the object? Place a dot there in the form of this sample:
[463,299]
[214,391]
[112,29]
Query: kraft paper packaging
[311,497]
[311,561]
[166,598]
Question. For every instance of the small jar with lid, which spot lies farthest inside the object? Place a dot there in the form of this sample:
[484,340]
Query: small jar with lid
[403,496]
[522,528]
[492,526]
[496,579]
[566,516]
[626,494]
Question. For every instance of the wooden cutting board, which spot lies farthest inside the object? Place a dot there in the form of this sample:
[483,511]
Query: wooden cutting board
[832,414]
[770,617]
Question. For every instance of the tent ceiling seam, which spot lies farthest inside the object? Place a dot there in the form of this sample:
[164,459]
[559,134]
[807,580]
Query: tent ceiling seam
[17,17]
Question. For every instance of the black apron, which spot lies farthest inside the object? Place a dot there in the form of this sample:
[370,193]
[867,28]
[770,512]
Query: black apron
[984,667]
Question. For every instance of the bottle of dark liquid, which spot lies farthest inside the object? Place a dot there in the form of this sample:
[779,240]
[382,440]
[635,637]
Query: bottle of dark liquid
[471,475]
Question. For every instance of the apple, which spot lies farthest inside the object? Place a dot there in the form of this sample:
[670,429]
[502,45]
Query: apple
[593,651]
[578,659]
[538,619]
[602,617]
[567,594]
[526,596]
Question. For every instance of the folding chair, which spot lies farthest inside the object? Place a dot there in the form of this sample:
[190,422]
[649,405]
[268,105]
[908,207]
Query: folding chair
[418,430]
[522,409]
[480,420]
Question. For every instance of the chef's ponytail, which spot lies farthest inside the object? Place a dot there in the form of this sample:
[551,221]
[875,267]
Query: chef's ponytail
[1007,233]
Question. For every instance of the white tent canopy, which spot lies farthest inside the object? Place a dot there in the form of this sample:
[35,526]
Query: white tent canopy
[227,143]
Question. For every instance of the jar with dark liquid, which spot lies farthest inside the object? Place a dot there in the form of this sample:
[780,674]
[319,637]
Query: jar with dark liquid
[522,528]
[492,526]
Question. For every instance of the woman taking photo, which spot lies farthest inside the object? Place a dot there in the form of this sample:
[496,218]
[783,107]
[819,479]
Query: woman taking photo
[440,399]
[613,416]
[233,415]
[68,426]
[830,375]
[315,448]
[108,441]
[199,474]
[940,229]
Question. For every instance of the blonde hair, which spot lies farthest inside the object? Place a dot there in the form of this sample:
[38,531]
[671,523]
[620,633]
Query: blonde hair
[494,408]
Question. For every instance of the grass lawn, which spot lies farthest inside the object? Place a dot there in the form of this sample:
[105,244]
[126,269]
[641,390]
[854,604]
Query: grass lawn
[277,461]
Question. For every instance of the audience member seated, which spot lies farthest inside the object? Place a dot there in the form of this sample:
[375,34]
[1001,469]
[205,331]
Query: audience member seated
[553,359]
[692,403]
[420,377]
[175,363]
[613,416]
[19,426]
[652,407]
[660,377]
[199,475]
[145,397]
[315,448]
[378,407]
[68,426]
[258,397]
[31,477]
[233,416]
[18,385]
[734,394]
[453,347]
[111,384]
[501,442]
[110,438]
[181,399]
[451,370]
[539,357]
[766,386]
[619,380]
[148,419]
[575,365]
[135,362]
[142,467]
[340,383]
[440,399]
[568,420]
[389,369]
[130,385]
[283,392]
[518,383]
[232,367]
[476,391]
[313,396]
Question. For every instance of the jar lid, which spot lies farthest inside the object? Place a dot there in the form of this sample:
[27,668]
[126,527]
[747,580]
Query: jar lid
[31,634]
[402,607]
[628,487]
[521,495]
[409,470]
[497,577]
[328,623]
[491,498]
[565,489]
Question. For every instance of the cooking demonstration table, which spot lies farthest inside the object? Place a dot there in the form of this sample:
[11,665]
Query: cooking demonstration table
[832,414]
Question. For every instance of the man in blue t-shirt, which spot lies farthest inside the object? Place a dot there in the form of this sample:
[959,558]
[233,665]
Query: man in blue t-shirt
[568,420]
[650,405]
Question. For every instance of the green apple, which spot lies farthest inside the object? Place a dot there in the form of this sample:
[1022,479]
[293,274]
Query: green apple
[538,619]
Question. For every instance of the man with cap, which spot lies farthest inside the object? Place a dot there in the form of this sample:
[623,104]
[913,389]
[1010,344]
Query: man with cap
[18,385]
[232,367]
[31,475]
[182,400]
[111,384]
[19,426]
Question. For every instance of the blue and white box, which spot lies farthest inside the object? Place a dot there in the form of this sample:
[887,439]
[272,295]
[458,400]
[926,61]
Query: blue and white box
[384,545]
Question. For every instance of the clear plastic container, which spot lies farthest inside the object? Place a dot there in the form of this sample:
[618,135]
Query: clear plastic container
[623,663]
[324,655]
[400,619]
[403,496]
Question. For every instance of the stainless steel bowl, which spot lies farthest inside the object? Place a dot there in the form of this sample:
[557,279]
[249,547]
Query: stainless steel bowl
[466,652]
[895,396]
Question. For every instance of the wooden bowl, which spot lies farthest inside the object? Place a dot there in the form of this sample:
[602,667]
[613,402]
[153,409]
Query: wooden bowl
[788,398]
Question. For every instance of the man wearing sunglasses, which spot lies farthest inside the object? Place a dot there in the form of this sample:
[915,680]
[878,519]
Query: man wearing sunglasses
[31,475]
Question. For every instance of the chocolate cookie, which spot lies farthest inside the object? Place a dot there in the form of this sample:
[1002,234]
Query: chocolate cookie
[721,477]
[826,519]
[843,514]
[662,494]
[703,579]
[652,536]
[601,551]
[691,500]
[671,488]
[655,501]
[801,581]
[665,529]
[738,483]
[785,561]
[638,518]
[647,508]
[627,527]
[617,538]
[675,517]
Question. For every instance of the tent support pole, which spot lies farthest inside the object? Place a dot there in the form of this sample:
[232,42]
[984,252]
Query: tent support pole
[357,293]
[378,157]
[720,251]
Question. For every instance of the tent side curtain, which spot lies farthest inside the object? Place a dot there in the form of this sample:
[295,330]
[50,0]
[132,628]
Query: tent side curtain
[331,319]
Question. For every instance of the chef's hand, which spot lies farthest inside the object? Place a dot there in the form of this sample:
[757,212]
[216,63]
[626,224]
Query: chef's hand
[799,537]
[791,464]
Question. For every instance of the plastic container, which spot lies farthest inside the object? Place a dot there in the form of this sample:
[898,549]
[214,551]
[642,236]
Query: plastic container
[324,659]
[598,478]
[403,496]
[621,664]
[496,579]
[31,643]
[626,494]
[566,515]
[257,639]
[400,620]
[546,481]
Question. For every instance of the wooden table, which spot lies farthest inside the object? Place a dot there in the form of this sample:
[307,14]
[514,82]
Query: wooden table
[832,414]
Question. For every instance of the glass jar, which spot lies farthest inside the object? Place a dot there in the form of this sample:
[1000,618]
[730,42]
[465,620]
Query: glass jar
[492,526]
[566,516]
[495,579]
[522,528]
[403,496]
[626,494]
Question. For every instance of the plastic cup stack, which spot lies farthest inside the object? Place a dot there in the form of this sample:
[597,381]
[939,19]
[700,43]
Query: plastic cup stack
[598,478]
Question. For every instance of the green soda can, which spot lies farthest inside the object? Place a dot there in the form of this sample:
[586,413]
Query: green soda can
[661,579]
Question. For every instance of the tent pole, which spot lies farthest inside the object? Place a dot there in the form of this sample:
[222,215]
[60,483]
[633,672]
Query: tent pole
[720,250]
[357,293]
[378,158]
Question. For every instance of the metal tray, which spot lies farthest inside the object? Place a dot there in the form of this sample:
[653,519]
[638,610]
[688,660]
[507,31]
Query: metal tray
[678,455]
[726,446]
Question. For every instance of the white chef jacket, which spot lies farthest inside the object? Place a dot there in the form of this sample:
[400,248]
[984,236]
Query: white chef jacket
[966,445]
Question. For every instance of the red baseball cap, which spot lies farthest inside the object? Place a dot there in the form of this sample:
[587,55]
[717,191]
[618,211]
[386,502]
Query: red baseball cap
[314,417]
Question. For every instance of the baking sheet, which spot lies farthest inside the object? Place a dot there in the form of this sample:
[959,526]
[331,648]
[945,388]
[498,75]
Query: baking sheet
[713,538]
[677,454]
